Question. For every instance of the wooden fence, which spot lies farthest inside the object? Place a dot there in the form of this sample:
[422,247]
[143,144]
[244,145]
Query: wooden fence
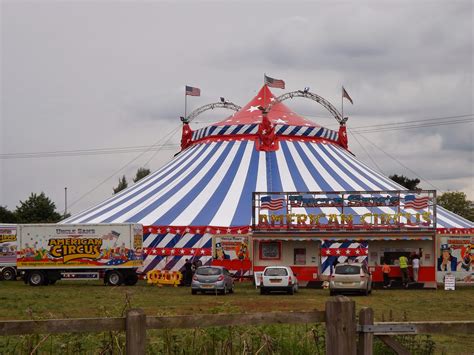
[344,335]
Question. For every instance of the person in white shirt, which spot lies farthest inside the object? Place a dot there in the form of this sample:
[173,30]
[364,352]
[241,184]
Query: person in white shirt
[416,266]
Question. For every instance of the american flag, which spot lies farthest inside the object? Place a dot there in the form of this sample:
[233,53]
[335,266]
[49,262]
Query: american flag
[411,201]
[274,83]
[190,91]
[271,204]
[346,95]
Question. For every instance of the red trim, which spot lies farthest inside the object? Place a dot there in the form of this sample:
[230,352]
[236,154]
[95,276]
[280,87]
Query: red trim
[215,230]
[303,273]
[455,230]
[425,273]
[261,257]
[178,251]
[244,265]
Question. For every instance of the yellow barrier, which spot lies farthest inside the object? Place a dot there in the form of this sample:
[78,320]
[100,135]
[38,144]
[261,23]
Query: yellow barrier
[158,277]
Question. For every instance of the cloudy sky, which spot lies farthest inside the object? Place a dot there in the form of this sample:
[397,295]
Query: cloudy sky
[88,87]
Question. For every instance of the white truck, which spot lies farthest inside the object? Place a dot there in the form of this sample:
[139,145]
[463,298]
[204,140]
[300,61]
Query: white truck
[50,252]
[8,245]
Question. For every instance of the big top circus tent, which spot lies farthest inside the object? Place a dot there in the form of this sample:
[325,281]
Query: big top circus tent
[202,204]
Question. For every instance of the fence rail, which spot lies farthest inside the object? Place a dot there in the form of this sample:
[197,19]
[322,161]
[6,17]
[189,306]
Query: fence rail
[342,330]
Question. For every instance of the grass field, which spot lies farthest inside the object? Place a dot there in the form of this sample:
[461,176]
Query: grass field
[92,299]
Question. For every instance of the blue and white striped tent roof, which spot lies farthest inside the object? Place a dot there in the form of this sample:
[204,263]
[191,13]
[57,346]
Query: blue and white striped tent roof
[211,182]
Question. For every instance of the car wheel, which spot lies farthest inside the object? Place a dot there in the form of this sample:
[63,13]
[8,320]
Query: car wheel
[114,278]
[224,290]
[366,292]
[262,291]
[36,278]
[332,293]
[8,274]
[194,292]
[291,291]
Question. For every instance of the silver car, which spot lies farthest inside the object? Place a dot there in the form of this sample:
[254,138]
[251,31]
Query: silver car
[353,277]
[212,279]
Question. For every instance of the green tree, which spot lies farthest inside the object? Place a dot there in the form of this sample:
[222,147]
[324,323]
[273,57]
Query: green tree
[410,184]
[37,209]
[7,216]
[141,173]
[123,184]
[458,203]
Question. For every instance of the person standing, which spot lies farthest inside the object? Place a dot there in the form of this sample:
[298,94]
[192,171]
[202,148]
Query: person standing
[188,273]
[416,266]
[403,260]
[386,274]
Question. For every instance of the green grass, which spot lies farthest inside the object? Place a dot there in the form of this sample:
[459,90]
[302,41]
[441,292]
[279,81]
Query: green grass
[69,299]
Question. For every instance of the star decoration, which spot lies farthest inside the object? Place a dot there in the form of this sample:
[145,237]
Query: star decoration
[348,251]
[239,231]
[338,252]
[280,121]
[203,251]
[228,230]
[357,251]
[253,108]
[328,252]
[218,231]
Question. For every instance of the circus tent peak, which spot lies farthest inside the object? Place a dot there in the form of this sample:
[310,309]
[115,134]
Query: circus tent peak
[280,114]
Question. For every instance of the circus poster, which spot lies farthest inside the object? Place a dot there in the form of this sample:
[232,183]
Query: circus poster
[455,257]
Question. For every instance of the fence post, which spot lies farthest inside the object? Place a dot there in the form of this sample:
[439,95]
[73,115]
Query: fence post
[366,340]
[340,326]
[135,328]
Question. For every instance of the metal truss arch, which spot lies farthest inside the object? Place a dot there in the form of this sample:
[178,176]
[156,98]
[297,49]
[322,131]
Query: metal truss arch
[199,110]
[312,96]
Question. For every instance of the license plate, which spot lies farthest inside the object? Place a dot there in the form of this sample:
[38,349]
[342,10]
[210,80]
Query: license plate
[207,286]
[275,281]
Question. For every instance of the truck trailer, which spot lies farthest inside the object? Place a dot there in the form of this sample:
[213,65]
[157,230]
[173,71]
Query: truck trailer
[8,247]
[51,252]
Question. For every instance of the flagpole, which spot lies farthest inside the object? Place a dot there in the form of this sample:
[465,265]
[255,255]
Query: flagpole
[185,102]
[264,91]
[342,103]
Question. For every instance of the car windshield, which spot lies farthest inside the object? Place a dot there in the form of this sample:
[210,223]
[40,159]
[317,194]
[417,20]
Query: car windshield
[347,270]
[276,272]
[208,271]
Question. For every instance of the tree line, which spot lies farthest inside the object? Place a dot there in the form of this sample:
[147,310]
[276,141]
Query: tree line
[40,208]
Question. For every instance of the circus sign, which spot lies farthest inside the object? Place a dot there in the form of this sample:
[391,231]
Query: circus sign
[354,210]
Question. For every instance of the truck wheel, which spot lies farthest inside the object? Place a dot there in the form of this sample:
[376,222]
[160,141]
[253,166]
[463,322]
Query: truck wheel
[131,279]
[36,278]
[9,274]
[114,278]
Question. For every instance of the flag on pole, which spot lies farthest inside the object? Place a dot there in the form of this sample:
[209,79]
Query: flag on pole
[190,91]
[346,95]
[274,83]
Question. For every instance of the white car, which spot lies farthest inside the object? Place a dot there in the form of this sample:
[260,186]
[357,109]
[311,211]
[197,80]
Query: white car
[278,278]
